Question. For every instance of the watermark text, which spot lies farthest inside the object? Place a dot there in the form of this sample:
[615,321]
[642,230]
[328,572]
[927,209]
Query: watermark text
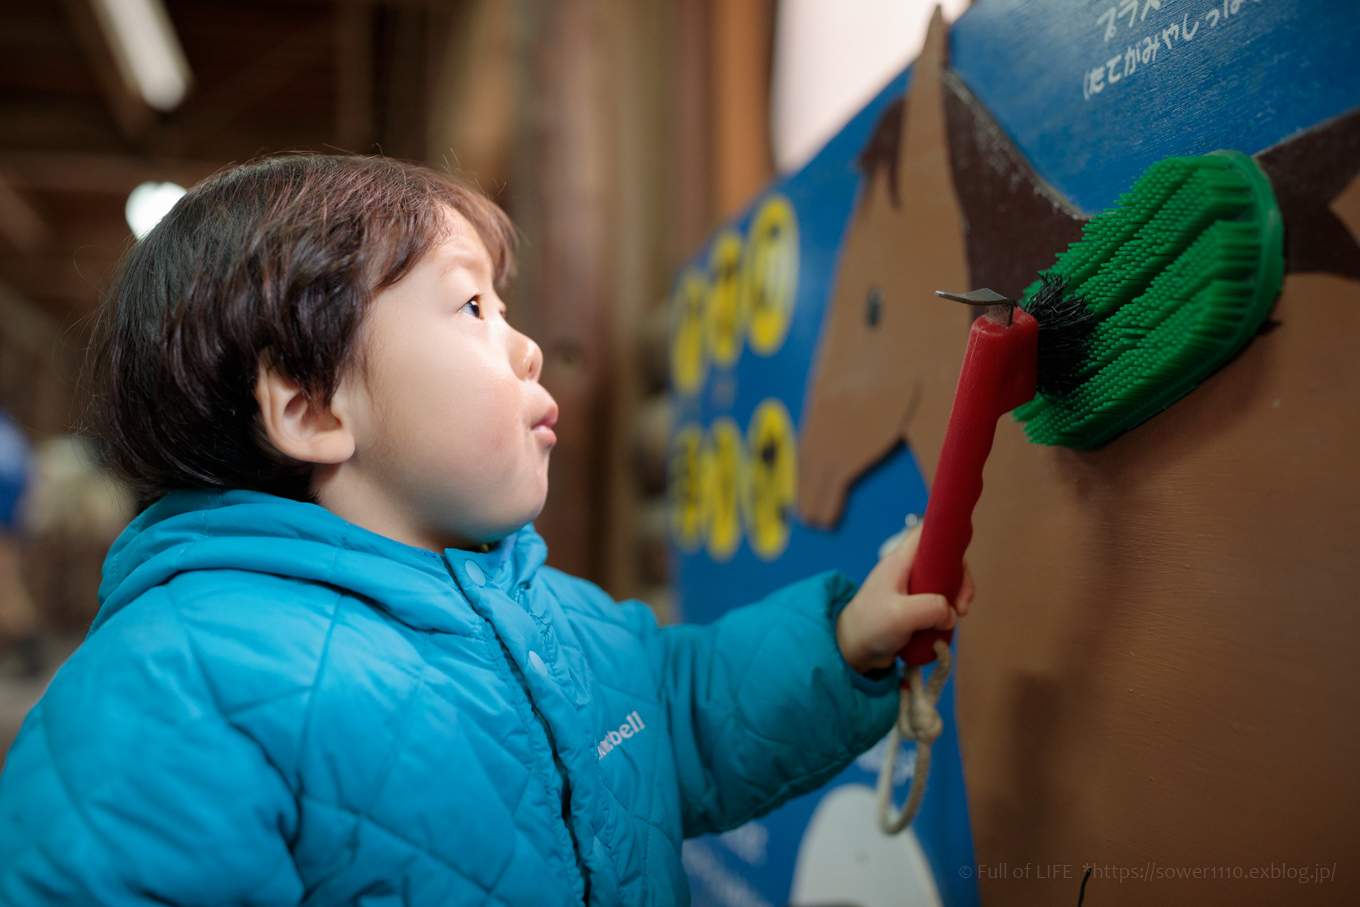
[1303,874]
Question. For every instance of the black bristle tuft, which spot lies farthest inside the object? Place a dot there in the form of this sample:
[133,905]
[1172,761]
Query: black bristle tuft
[1065,325]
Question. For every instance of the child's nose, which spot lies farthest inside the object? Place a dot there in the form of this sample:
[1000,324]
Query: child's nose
[526,355]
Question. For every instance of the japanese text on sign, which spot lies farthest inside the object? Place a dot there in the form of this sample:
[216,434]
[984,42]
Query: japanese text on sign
[1141,49]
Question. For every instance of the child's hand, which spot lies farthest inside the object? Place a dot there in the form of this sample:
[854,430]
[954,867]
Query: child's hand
[880,619]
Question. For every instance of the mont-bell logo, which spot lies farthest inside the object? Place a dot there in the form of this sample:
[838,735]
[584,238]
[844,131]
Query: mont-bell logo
[629,728]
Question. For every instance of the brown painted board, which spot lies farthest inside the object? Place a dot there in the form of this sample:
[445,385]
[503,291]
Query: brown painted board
[1161,668]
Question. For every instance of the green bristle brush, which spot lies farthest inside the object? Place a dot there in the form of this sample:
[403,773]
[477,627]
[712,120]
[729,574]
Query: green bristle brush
[1167,288]
[1159,293]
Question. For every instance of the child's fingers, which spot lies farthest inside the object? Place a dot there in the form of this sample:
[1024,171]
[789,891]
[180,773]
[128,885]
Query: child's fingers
[896,564]
[924,611]
[950,620]
[966,592]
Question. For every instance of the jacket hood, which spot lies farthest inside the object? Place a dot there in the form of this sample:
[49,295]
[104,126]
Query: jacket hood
[248,530]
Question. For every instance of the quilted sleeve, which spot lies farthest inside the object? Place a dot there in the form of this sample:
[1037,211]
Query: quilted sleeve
[762,707]
[128,786]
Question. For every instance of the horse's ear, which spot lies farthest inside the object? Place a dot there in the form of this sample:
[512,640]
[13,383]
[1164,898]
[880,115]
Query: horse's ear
[925,98]
[891,375]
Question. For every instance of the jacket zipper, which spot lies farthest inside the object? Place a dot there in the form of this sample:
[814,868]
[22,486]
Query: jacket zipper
[552,742]
[557,763]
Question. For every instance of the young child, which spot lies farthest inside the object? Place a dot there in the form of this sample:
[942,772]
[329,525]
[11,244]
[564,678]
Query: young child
[329,663]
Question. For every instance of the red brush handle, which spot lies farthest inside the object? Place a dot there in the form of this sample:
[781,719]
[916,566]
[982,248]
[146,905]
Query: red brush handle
[998,375]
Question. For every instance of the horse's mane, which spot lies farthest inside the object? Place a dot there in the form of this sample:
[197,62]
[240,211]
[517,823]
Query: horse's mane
[880,152]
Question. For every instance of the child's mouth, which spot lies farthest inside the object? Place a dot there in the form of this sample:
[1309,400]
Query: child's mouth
[542,429]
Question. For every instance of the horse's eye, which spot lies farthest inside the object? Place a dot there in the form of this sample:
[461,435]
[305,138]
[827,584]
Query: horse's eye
[873,306]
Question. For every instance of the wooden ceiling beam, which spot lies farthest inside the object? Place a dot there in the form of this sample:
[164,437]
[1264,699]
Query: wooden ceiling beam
[99,174]
[128,108]
[23,226]
[63,287]
[409,4]
[209,113]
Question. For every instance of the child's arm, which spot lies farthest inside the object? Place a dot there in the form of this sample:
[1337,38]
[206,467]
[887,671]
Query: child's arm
[122,788]
[763,704]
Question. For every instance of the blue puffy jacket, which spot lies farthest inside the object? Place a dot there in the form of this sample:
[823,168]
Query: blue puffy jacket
[275,706]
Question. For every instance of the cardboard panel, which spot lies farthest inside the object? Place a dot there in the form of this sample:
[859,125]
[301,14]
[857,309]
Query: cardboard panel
[1157,680]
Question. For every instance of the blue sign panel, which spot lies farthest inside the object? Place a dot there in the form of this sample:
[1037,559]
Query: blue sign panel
[1089,93]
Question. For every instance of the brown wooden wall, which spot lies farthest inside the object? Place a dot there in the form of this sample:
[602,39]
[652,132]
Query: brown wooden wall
[614,132]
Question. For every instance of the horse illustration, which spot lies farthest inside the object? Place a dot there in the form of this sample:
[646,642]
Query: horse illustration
[1160,663]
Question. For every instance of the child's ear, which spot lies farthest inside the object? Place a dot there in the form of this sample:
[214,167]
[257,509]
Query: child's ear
[299,428]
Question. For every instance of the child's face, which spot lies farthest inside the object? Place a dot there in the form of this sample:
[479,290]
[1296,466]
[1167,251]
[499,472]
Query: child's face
[451,426]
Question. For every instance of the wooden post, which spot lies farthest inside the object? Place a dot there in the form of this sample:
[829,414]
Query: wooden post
[559,198]
[691,128]
[472,99]
[640,264]
[742,42]
[354,75]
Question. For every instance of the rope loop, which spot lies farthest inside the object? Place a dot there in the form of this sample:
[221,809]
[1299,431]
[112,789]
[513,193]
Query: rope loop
[917,720]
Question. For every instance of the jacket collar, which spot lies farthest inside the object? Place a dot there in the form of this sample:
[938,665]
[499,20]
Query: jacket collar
[252,531]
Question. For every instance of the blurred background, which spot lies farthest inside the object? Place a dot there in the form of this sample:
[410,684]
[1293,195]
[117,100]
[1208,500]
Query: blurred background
[616,133]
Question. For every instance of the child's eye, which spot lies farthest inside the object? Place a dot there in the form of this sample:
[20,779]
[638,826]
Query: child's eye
[473,307]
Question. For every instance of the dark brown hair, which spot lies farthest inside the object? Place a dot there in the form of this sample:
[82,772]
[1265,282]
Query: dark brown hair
[276,258]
